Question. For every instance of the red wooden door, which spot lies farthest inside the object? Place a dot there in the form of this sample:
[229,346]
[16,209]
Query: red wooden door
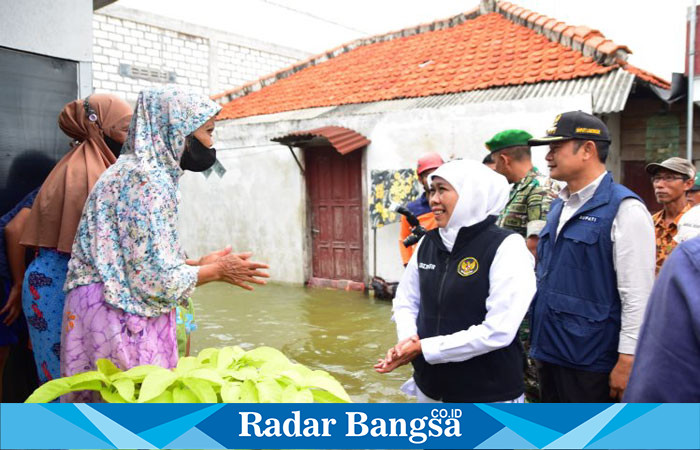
[635,177]
[334,182]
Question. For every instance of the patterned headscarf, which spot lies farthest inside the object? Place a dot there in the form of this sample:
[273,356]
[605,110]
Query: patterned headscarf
[127,238]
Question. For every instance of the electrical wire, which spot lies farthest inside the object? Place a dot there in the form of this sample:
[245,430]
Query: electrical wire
[314,16]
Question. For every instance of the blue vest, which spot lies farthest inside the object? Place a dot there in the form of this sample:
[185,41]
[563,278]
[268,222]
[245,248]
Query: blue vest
[576,311]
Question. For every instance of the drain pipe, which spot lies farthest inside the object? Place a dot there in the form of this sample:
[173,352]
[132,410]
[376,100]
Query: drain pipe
[691,81]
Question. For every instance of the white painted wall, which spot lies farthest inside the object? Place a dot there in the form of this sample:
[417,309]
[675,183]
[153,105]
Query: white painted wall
[260,204]
[58,28]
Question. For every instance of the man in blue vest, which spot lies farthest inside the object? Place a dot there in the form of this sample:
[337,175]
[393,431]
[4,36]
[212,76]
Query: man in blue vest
[595,270]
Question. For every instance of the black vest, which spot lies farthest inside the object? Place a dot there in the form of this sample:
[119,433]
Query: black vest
[453,291]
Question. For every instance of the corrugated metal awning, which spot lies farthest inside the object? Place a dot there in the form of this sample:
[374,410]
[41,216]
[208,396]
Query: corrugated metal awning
[344,140]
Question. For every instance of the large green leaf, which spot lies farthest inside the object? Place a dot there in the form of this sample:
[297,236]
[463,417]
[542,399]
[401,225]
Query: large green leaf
[164,397]
[207,355]
[155,383]
[136,374]
[50,391]
[231,392]
[202,389]
[225,358]
[210,375]
[323,380]
[86,377]
[292,394]
[107,367]
[125,387]
[244,373]
[187,363]
[249,393]
[184,395]
[258,356]
[110,396]
[321,396]
[269,391]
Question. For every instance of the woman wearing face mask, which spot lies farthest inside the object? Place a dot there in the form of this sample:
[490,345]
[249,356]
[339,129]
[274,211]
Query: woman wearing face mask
[463,295]
[98,126]
[128,272]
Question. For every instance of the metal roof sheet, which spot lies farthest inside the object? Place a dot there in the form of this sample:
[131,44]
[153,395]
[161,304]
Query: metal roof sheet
[344,140]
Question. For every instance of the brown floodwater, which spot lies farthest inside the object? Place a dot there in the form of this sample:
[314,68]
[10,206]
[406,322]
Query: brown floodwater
[340,332]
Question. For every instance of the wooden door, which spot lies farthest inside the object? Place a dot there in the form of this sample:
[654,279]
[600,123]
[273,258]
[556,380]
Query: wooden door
[635,177]
[334,183]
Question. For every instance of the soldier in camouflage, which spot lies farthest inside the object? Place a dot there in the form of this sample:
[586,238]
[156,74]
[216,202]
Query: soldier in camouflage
[525,213]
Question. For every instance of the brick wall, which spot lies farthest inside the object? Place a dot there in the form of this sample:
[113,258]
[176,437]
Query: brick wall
[208,61]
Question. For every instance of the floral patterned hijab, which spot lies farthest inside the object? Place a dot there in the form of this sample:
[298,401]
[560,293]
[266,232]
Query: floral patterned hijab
[127,238]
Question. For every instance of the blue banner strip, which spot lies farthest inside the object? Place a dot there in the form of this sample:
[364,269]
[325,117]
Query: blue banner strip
[343,426]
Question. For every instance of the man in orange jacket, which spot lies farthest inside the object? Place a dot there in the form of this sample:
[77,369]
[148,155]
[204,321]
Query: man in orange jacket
[419,207]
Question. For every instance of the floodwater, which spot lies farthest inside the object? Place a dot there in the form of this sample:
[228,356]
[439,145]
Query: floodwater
[340,332]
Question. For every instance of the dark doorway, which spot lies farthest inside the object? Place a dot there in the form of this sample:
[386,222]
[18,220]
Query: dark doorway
[334,184]
[636,178]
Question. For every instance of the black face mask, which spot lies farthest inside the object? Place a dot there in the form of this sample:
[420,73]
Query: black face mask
[197,157]
[113,145]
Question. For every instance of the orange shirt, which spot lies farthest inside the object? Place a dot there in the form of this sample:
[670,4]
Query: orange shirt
[664,236]
[426,220]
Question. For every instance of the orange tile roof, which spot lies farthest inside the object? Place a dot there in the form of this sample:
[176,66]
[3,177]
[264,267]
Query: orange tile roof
[472,51]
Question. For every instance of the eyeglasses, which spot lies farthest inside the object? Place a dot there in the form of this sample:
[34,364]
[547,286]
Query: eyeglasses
[666,178]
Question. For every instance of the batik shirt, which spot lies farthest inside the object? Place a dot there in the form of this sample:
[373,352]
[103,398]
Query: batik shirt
[664,235]
[528,204]
[127,238]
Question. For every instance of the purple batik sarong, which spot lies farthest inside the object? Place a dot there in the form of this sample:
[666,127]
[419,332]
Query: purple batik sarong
[92,329]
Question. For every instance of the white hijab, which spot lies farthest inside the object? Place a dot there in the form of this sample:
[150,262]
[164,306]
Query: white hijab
[482,193]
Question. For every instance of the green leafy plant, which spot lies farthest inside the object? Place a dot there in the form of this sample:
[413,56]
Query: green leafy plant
[226,375]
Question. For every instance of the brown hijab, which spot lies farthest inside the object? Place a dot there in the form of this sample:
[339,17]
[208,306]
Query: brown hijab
[56,212]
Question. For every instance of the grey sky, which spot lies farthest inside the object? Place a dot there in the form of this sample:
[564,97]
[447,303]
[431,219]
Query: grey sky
[653,29]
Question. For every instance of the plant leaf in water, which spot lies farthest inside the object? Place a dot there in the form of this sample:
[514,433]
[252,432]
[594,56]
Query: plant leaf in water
[187,363]
[207,355]
[269,391]
[136,374]
[249,393]
[202,389]
[224,358]
[210,375]
[126,389]
[107,367]
[155,383]
[244,373]
[164,397]
[323,380]
[231,392]
[259,356]
[292,394]
[321,396]
[184,395]
[50,391]
[110,396]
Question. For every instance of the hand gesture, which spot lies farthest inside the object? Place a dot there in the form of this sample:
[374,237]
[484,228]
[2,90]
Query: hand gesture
[402,353]
[237,269]
[210,258]
[13,307]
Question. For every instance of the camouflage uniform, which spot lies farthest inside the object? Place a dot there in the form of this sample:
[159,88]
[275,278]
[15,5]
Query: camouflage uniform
[528,205]
[526,213]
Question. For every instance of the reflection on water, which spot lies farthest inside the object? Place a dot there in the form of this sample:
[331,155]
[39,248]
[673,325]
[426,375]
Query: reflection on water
[341,332]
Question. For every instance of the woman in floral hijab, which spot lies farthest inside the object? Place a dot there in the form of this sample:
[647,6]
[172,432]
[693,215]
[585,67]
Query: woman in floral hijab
[128,272]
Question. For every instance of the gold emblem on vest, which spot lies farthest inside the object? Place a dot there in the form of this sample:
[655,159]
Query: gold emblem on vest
[468,266]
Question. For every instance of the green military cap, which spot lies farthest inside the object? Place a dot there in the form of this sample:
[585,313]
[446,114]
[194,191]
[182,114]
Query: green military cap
[508,138]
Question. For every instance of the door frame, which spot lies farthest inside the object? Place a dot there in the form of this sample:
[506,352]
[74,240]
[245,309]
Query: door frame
[307,224]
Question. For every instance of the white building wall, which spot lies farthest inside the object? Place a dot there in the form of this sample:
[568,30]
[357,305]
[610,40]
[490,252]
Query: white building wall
[259,204]
[207,60]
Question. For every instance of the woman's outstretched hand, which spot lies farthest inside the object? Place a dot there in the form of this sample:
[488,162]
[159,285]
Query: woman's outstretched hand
[210,258]
[237,269]
[402,353]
